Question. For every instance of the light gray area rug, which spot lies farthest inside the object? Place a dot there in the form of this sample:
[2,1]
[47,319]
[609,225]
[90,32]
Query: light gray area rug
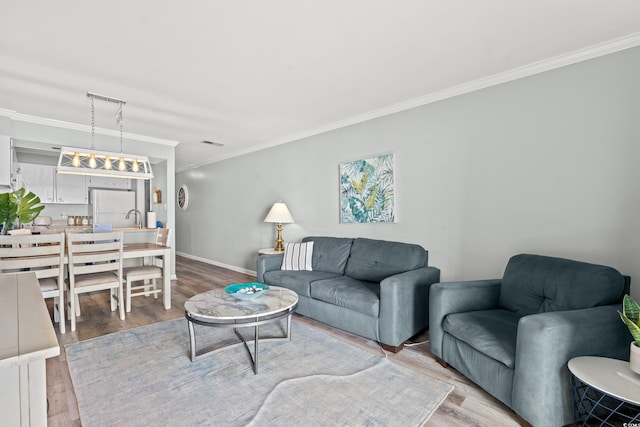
[144,376]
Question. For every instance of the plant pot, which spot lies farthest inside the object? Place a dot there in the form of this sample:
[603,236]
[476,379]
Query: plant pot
[634,358]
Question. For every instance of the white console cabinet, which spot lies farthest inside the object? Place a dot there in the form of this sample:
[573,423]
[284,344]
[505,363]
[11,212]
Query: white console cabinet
[27,339]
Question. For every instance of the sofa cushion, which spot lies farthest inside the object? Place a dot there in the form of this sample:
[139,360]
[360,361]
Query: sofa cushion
[297,281]
[330,253]
[536,284]
[491,332]
[374,260]
[344,291]
[297,257]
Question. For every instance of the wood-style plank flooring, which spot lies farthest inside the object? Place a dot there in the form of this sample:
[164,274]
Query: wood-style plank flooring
[467,405]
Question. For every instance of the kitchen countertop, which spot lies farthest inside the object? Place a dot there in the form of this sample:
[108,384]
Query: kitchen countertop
[88,228]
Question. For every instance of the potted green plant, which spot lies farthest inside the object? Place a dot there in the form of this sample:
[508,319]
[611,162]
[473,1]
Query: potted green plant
[20,207]
[631,317]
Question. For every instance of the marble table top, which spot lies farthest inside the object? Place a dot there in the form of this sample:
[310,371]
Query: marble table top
[217,305]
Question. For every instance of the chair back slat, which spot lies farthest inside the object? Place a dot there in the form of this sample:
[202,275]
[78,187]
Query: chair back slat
[29,262]
[96,257]
[30,250]
[163,236]
[42,253]
[83,247]
[96,268]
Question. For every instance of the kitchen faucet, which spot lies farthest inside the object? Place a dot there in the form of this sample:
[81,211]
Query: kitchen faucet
[137,218]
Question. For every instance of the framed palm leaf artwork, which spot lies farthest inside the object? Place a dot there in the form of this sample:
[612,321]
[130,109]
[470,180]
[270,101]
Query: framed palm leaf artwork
[367,190]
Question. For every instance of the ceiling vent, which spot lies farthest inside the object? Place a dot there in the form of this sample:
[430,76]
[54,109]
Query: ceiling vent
[217,144]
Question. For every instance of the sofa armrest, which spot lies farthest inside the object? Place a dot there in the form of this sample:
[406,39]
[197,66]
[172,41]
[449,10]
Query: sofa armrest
[458,297]
[404,304]
[542,392]
[266,263]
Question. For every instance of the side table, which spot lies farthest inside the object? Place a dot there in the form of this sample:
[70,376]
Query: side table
[606,391]
[269,251]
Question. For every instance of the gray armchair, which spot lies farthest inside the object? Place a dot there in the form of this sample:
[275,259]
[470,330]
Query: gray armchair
[514,336]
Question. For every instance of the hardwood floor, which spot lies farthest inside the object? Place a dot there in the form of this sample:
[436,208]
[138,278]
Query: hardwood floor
[467,405]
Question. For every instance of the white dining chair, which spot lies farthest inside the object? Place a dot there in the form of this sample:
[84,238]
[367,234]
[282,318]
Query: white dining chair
[95,264]
[150,272]
[44,255]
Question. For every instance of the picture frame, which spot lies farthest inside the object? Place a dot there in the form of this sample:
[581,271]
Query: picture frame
[367,190]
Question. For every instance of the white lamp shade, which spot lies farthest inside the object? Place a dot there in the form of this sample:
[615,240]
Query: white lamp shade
[279,214]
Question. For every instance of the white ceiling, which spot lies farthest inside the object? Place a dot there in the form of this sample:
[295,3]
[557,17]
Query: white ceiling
[251,74]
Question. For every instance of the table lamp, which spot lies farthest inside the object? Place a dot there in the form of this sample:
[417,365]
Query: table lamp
[279,214]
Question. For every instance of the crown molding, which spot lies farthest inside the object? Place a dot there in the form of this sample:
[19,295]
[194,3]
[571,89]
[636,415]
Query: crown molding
[6,113]
[25,118]
[580,55]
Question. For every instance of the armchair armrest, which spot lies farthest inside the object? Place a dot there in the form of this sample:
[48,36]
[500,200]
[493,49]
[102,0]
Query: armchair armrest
[404,304]
[458,297]
[266,263]
[545,343]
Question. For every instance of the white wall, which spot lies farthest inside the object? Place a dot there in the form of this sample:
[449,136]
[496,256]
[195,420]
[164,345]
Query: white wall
[547,164]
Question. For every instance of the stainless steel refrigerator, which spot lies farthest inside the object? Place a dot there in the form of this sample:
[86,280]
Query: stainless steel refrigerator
[112,206]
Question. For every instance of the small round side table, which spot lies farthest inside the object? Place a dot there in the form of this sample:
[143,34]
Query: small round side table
[606,391]
[269,251]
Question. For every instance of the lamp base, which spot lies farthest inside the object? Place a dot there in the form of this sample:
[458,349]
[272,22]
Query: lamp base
[279,247]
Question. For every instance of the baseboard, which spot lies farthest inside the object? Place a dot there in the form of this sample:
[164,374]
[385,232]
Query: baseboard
[216,263]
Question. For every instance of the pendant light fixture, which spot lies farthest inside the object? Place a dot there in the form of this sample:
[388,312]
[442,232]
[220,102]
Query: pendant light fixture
[80,161]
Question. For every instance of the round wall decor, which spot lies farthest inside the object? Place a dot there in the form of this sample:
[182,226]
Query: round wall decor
[183,197]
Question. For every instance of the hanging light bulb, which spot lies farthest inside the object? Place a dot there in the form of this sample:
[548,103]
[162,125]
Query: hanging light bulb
[134,166]
[76,160]
[92,161]
[122,165]
[107,163]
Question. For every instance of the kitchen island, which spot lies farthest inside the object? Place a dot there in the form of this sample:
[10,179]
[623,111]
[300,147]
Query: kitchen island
[133,234]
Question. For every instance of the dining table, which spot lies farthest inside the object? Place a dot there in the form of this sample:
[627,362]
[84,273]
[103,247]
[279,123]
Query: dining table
[143,250]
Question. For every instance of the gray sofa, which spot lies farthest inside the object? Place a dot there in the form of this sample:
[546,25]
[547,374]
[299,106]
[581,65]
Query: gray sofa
[514,336]
[373,288]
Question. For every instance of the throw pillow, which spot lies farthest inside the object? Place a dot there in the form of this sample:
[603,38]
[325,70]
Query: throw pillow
[297,256]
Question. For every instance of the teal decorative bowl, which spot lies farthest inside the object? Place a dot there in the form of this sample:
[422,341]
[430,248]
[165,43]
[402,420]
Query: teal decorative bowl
[246,291]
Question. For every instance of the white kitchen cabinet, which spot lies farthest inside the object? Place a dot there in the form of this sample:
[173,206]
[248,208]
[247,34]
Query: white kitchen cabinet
[109,182]
[71,189]
[98,181]
[120,183]
[5,162]
[53,187]
[40,180]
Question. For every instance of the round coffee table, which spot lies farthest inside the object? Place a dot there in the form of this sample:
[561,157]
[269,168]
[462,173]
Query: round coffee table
[217,308]
[606,390]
